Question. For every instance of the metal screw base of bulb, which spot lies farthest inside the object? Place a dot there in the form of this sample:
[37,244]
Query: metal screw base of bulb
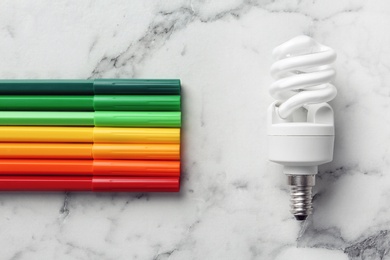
[301,195]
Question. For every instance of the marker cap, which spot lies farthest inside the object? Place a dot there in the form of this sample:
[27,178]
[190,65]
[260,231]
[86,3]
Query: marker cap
[137,119]
[137,86]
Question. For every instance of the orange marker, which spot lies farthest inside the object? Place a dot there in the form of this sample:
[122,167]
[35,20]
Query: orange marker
[125,168]
[90,151]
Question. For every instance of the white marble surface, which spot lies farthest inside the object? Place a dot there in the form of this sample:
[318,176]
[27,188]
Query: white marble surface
[233,203]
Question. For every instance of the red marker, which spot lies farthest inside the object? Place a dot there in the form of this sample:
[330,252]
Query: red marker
[91,183]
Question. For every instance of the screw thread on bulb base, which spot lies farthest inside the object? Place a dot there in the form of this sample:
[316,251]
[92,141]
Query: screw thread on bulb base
[301,195]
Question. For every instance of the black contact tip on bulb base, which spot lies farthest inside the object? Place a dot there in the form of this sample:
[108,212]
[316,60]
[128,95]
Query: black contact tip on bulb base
[301,195]
[300,217]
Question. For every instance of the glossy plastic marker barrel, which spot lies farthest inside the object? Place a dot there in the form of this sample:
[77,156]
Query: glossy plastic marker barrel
[85,183]
[89,151]
[90,103]
[59,134]
[90,87]
[128,168]
[97,118]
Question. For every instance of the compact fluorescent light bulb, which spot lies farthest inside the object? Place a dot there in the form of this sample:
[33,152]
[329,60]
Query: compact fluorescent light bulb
[300,123]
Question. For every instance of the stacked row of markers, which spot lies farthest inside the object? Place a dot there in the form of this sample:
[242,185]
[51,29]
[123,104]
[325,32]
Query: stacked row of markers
[96,135]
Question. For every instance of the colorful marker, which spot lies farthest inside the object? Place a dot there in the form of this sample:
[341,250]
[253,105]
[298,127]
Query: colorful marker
[97,118]
[90,87]
[128,168]
[84,183]
[90,103]
[90,151]
[59,134]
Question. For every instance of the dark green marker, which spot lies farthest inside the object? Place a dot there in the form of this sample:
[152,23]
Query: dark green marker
[91,87]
